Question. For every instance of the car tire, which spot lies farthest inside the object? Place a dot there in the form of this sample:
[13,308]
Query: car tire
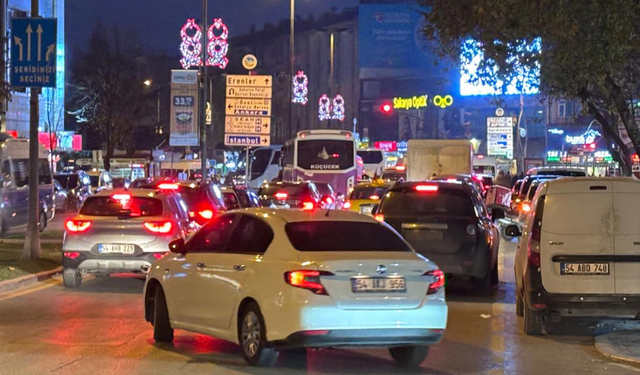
[409,356]
[71,278]
[162,331]
[252,337]
[495,276]
[532,322]
[519,305]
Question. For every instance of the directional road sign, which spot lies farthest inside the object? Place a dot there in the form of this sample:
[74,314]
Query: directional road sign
[248,110]
[33,52]
[246,140]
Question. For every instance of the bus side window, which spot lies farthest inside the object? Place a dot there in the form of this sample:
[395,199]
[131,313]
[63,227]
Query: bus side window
[6,174]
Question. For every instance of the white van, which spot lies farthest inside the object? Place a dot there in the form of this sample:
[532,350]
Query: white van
[14,179]
[373,160]
[579,254]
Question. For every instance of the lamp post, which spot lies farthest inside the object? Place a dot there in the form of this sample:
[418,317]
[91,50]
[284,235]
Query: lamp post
[292,30]
[203,94]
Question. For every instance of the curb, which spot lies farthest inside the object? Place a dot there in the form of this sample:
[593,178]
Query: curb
[26,280]
[610,346]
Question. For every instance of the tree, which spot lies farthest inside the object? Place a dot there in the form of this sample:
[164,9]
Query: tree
[589,51]
[107,88]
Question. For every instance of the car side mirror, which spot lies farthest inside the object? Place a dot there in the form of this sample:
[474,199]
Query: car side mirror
[497,214]
[375,209]
[177,246]
[512,231]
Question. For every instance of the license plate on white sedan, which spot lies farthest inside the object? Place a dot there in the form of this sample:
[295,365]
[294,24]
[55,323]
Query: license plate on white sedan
[116,249]
[584,268]
[378,284]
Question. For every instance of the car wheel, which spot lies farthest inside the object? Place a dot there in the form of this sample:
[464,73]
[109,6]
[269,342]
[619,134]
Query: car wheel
[519,305]
[162,331]
[495,277]
[42,223]
[409,356]
[253,338]
[71,278]
[532,322]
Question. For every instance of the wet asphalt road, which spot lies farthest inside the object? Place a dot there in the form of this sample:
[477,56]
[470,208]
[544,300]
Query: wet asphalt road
[99,329]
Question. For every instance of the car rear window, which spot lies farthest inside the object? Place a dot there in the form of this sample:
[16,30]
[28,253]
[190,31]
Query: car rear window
[393,176]
[135,207]
[292,191]
[366,192]
[444,202]
[343,236]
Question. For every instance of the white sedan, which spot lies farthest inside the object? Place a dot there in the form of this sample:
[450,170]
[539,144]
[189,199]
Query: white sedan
[273,280]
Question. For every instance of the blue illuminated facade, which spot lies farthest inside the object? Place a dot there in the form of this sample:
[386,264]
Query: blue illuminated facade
[51,99]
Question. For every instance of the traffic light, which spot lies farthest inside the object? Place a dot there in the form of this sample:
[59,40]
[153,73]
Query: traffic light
[590,147]
[386,108]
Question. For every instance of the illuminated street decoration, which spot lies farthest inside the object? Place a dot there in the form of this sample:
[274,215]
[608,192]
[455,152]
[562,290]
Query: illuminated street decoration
[218,46]
[443,101]
[191,46]
[338,108]
[416,102]
[324,108]
[300,88]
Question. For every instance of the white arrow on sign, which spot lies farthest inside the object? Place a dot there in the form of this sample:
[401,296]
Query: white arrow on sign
[29,32]
[18,42]
[50,51]
[39,32]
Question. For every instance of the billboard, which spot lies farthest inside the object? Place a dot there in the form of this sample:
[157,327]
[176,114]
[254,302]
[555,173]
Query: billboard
[184,108]
[389,38]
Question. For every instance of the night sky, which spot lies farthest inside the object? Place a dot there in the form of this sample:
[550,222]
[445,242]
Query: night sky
[158,22]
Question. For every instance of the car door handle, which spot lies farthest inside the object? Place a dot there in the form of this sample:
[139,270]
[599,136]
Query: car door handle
[239,267]
[201,265]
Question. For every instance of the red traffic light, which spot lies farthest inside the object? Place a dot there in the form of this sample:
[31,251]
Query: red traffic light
[386,108]
[590,146]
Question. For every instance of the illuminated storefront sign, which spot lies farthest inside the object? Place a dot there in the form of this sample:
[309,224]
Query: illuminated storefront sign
[416,102]
[388,146]
[556,131]
[588,137]
[443,101]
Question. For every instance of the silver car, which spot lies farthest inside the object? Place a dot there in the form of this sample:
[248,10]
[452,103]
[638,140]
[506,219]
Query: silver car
[122,231]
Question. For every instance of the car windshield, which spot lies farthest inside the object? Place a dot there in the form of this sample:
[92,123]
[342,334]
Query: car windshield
[324,189]
[272,190]
[67,181]
[134,207]
[371,157]
[192,196]
[343,236]
[325,155]
[564,173]
[444,202]
[366,192]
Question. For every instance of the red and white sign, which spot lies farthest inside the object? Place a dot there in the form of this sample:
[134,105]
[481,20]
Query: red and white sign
[388,146]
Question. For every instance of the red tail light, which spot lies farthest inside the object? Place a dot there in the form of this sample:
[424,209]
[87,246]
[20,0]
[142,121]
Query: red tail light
[281,196]
[77,226]
[159,255]
[167,186]
[206,214]
[374,197]
[121,197]
[438,281]
[72,254]
[308,206]
[533,248]
[161,227]
[328,200]
[426,188]
[346,205]
[192,214]
[307,279]
[401,168]
[379,217]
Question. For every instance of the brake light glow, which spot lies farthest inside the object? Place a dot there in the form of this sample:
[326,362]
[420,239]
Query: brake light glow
[308,206]
[451,180]
[379,217]
[307,279]
[281,196]
[328,200]
[121,197]
[480,156]
[162,227]
[167,186]
[526,207]
[401,168]
[347,205]
[438,281]
[374,197]
[426,188]
[206,214]
[360,162]
[77,226]
[159,255]
[192,214]
[72,254]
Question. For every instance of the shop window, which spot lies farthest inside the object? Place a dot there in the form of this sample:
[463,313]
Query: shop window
[562,109]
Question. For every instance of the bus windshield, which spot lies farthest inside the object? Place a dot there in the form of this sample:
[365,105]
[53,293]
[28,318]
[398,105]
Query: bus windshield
[259,162]
[323,155]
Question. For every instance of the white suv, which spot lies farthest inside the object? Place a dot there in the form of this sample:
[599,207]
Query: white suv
[579,254]
[281,279]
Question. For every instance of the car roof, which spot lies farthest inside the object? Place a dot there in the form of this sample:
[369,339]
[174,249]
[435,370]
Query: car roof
[552,169]
[562,185]
[297,215]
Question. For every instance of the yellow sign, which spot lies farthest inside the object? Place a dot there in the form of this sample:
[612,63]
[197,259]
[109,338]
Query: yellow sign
[249,62]
[443,101]
[416,102]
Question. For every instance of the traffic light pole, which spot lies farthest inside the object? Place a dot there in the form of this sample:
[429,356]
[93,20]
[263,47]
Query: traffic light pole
[31,248]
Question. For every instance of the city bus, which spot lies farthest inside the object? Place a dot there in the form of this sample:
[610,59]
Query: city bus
[324,155]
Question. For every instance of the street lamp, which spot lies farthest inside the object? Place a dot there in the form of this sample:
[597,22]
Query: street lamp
[148,82]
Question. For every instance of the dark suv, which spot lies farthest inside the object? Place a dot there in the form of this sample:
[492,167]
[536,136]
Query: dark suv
[303,195]
[78,188]
[449,224]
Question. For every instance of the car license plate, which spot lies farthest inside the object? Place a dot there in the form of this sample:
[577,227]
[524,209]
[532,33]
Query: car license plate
[584,268]
[378,284]
[116,249]
[366,210]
